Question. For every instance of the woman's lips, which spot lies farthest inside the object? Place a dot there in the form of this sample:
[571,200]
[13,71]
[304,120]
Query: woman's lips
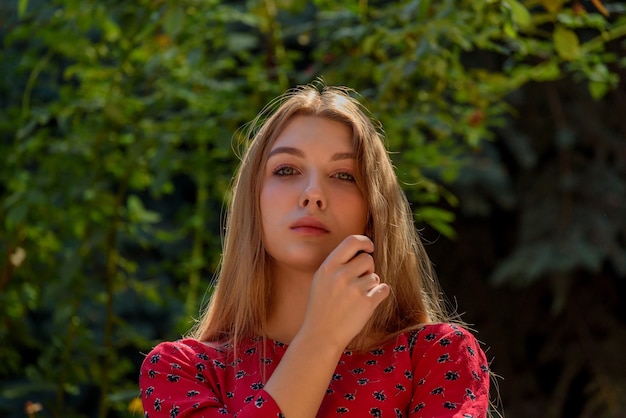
[309,226]
[309,230]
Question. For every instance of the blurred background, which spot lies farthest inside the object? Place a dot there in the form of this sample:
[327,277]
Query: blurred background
[506,120]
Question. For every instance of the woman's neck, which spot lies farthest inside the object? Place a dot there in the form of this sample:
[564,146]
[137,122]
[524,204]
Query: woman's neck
[289,302]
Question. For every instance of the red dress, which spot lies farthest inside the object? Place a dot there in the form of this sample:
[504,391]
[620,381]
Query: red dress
[438,370]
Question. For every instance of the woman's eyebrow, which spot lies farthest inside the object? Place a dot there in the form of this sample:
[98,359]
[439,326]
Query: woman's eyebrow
[299,153]
[287,150]
[343,156]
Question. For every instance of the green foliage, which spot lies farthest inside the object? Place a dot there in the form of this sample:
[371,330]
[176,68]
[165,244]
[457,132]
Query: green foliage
[115,137]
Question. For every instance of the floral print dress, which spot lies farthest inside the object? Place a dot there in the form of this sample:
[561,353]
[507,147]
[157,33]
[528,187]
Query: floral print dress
[438,370]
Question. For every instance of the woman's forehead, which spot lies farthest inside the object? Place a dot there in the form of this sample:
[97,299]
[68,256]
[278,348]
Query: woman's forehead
[305,130]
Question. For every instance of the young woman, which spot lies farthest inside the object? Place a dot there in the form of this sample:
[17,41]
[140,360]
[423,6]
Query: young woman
[326,304]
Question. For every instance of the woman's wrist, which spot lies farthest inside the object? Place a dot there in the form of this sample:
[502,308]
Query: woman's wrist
[322,341]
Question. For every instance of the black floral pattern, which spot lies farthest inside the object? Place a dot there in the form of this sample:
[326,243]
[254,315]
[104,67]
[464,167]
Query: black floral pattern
[437,370]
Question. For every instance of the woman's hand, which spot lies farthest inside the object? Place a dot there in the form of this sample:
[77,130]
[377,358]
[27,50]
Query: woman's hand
[344,293]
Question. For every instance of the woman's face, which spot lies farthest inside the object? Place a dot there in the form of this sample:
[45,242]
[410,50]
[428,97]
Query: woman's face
[309,198]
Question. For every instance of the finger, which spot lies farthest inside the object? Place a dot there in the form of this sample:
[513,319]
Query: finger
[350,246]
[368,282]
[358,266]
[379,292]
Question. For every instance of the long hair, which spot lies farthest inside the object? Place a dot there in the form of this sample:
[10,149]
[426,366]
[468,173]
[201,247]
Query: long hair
[240,305]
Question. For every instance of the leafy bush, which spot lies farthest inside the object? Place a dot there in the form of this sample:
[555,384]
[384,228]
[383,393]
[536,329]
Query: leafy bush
[117,150]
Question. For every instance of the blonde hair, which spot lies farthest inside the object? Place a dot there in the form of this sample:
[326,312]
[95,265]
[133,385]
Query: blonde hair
[240,304]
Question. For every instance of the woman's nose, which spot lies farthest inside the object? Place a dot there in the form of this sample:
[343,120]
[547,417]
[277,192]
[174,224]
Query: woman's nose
[313,193]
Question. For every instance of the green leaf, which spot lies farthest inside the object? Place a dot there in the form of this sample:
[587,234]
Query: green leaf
[22,5]
[566,43]
[416,10]
[138,213]
[174,20]
[112,31]
[553,6]
[521,15]
[546,71]
[598,89]
[439,219]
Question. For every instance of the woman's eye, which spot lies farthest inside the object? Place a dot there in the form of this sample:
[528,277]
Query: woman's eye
[345,176]
[285,171]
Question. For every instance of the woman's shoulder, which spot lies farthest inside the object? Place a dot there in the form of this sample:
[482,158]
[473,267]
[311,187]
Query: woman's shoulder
[450,369]
[441,336]
[186,351]
[442,329]
[186,344]
[433,331]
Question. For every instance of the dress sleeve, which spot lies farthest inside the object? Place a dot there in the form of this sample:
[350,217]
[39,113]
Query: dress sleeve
[451,375]
[181,380]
